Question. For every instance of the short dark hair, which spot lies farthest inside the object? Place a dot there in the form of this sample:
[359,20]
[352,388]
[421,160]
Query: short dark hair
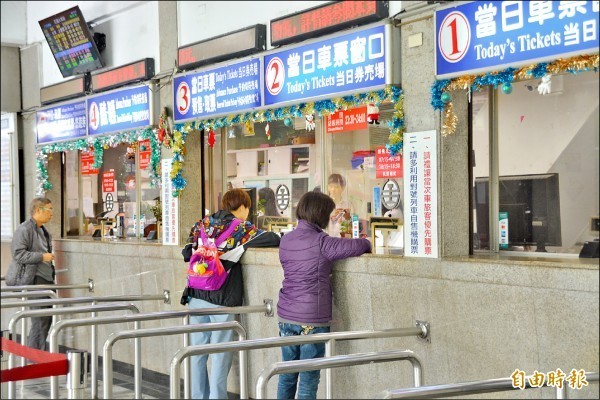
[337,178]
[234,198]
[316,208]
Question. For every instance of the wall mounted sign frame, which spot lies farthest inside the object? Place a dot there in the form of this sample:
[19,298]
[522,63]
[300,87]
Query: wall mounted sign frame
[328,18]
[240,43]
[138,71]
[76,87]
[65,121]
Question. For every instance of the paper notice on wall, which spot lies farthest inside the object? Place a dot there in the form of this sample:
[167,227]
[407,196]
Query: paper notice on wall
[170,207]
[420,191]
[88,207]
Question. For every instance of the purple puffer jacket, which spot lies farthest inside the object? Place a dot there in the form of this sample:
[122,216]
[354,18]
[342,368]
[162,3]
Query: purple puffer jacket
[307,255]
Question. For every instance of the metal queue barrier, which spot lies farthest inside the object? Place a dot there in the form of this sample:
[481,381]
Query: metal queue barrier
[107,364]
[36,288]
[166,296]
[77,375]
[89,286]
[469,388]
[421,331]
[26,295]
[287,367]
[4,358]
[58,311]
[267,308]
[78,300]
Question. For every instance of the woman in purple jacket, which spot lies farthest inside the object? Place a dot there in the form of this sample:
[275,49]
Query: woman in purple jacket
[305,300]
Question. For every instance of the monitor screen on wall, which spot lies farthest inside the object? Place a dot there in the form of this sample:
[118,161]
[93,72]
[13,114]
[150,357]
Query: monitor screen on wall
[71,42]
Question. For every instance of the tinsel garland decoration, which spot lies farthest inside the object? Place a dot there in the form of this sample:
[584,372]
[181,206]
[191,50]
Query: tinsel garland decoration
[450,120]
[98,144]
[471,83]
[322,108]
[43,184]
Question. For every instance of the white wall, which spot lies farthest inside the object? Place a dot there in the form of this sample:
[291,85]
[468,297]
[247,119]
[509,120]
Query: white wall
[14,26]
[131,29]
[199,20]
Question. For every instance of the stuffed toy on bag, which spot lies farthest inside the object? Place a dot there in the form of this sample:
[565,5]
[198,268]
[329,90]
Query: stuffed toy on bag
[372,113]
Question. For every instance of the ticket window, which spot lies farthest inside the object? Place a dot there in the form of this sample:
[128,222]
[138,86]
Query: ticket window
[96,198]
[546,166]
[280,160]
[362,177]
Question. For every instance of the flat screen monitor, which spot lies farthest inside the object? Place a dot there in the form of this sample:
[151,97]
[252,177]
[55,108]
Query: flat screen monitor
[71,42]
[533,206]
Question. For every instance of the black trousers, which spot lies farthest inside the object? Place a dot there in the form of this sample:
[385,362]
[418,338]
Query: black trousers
[39,325]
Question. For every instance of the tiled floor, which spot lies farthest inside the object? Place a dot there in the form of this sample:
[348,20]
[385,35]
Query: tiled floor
[123,388]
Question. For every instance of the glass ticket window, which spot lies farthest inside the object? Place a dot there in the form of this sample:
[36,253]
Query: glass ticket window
[277,162]
[364,180]
[116,200]
[547,166]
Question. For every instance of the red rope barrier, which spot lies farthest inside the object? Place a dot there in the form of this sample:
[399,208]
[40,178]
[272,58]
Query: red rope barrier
[47,364]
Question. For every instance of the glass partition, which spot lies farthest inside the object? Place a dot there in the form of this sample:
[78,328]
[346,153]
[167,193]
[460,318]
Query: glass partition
[547,166]
[342,155]
[117,199]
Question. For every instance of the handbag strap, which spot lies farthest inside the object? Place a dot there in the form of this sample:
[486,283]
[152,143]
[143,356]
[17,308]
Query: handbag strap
[47,235]
[224,235]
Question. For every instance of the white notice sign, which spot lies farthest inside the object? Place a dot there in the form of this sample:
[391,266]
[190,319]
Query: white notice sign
[420,192]
[170,207]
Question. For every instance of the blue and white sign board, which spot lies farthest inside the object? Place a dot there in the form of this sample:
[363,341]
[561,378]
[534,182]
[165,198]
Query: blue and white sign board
[420,192]
[120,110]
[62,122]
[483,36]
[349,63]
[218,91]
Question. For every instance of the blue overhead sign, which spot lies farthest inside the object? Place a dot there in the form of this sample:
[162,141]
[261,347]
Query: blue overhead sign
[120,110]
[348,63]
[63,122]
[218,91]
[490,35]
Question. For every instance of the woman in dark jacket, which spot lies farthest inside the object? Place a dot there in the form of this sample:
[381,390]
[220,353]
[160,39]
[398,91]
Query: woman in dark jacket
[305,300]
[236,206]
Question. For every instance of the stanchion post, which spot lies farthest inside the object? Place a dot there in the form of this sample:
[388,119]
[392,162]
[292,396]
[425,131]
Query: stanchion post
[5,335]
[77,375]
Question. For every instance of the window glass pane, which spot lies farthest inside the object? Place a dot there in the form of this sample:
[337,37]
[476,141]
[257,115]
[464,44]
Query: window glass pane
[113,190]
[214,171]
[71,193]
[277,162]
[548,162]
[363,179]
[6,191]
[481,169]
[150,195]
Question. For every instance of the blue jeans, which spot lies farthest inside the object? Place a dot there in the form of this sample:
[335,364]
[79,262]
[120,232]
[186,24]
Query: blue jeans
[309,380]
[215,386]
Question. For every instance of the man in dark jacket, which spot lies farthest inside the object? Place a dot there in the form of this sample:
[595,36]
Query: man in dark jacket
[305,300]
[236,206]
[32,262]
